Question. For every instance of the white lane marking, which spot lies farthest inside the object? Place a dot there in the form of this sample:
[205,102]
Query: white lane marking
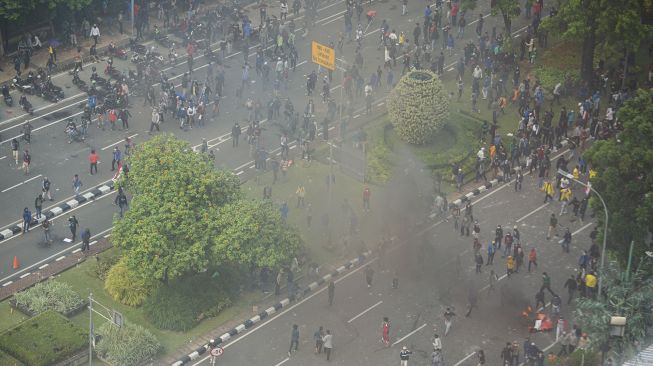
[50,257]
[43,266]
[77,250]
[578,231]
[60,258]
[365,311]
[532,212]
[40,109]
[283,361]
[465,359]
[240,172]
[25,274]
[3,157]
[21,183]
[245,335]
[7,283]
[116,143]
[57,204]
[408,335]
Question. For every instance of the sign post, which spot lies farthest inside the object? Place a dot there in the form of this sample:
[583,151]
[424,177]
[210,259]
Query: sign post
[215,352]
[323,55]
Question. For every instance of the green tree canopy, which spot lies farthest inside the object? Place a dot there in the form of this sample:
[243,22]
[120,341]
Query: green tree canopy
[612,24]
[167,167]
[630,298]
[254,232]
[15,9]
[186,217]
[623,166]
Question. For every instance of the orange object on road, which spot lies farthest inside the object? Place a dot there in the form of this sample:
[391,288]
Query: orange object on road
[16,263]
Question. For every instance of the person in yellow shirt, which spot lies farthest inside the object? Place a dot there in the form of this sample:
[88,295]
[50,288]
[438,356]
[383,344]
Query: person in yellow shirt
[510,266]
[576,173]
[590,284]
[301,193]
[548,190]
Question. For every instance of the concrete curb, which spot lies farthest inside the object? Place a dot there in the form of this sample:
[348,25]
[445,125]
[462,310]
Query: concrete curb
[485,187]
[249,323]
[60,209]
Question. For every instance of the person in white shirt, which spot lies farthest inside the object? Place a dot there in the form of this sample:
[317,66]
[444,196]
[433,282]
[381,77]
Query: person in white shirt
[327,344]
[95,33]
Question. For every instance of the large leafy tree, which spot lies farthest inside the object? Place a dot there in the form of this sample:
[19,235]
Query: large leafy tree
[623,166]
[629,297]
[186,217]
[612,24]
[253,232]
[19,10]
[508,9]
[167,167]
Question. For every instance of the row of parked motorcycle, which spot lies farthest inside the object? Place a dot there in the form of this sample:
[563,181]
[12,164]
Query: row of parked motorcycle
[39,84]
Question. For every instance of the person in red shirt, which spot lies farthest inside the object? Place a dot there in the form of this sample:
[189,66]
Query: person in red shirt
[532,259]
[92,158]
[385,332]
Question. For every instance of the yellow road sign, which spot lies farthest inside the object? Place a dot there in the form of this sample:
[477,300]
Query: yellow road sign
[323,55]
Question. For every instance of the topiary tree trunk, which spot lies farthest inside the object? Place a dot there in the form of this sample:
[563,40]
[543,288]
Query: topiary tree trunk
[418,106]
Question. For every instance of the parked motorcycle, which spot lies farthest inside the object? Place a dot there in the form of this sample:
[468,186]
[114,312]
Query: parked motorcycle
[23,85]
[137,47]
[117,52]
[112,72]
[26,105]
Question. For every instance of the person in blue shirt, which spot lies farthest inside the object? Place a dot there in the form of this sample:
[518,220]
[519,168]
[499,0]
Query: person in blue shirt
[117,155]
[27,219]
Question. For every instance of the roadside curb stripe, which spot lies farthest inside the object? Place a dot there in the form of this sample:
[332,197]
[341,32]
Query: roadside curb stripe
[243,327]
[60,209]
[489,185]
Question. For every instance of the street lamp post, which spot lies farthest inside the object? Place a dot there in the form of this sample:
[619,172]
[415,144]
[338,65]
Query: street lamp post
[605,225]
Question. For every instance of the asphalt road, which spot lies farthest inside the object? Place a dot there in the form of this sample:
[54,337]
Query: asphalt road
[53,157]
[436,270]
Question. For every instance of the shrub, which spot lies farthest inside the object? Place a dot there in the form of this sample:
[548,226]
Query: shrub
[126,346]
[418,106]
[379,166]
[180,306]
[49,295]
[126,287]
[104,264]
[44,339]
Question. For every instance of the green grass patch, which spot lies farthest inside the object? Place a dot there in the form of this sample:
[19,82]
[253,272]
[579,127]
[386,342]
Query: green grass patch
[323,243]
[44,339]
[10,317]
[83,279]
[7,360]
[379,151]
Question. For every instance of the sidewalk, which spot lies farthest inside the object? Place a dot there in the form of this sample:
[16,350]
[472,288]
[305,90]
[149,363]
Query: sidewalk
[65,55]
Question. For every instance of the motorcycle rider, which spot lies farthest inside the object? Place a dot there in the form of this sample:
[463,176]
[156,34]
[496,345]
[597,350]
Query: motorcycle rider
[71,130]
[23,102]
[27,132]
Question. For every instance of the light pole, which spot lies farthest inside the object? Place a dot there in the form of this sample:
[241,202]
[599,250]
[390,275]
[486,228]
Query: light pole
[605,225]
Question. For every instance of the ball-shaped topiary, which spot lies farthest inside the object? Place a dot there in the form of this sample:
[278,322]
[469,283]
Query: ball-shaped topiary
[418,106]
